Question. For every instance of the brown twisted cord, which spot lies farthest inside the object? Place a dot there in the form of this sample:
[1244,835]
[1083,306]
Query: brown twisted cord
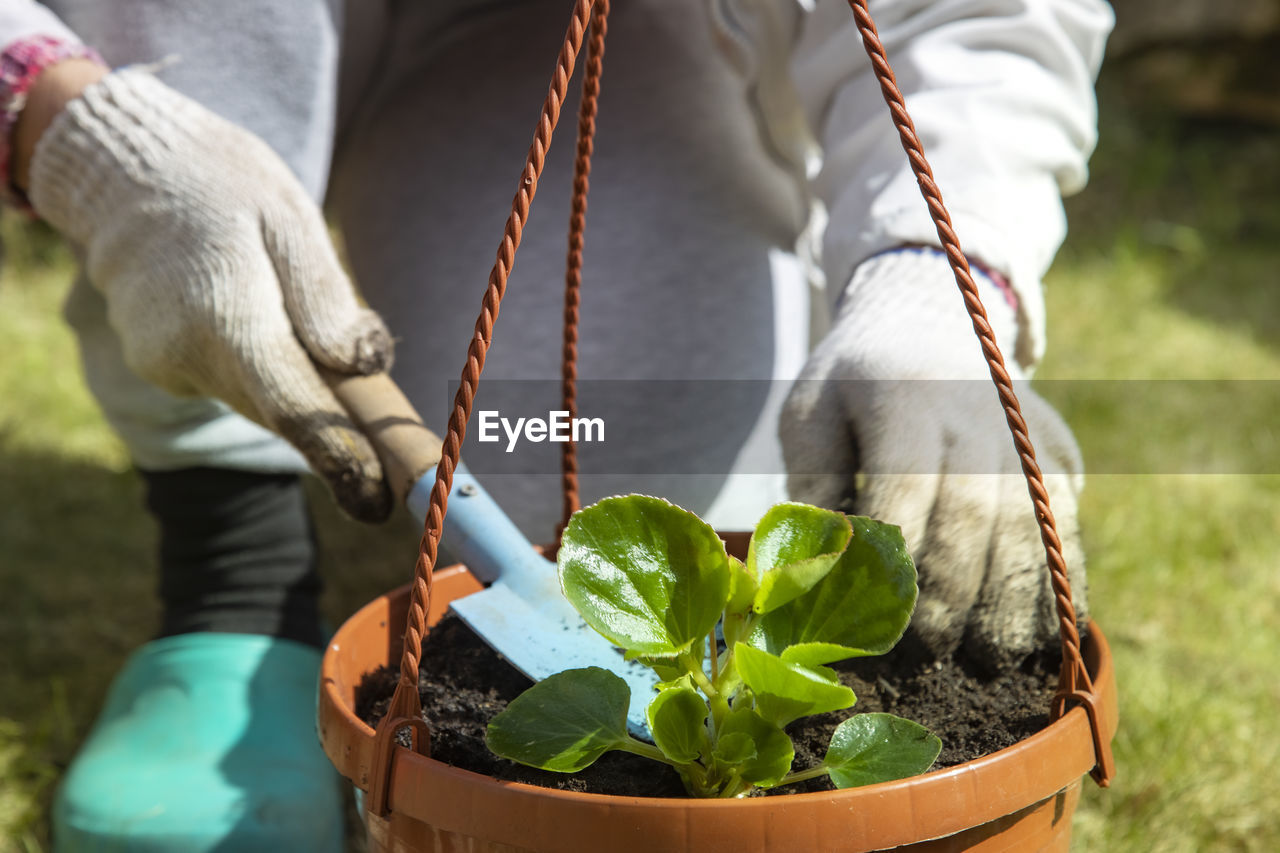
[592,70]
[405,701]
[1074,677]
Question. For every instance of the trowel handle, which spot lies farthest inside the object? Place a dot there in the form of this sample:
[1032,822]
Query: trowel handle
[408,449]
[476,529]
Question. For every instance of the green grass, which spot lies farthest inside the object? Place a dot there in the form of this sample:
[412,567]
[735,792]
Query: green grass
[1169,274]
[77,571]
[74,549]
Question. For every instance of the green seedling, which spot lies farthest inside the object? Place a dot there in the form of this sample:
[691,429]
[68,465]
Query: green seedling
[740,648]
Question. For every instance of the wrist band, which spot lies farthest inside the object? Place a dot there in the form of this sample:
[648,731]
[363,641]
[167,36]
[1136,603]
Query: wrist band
[20,64]
[1002,284]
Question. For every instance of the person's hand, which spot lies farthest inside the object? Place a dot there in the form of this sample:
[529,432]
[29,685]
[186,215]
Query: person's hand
[896,410]
[216,266]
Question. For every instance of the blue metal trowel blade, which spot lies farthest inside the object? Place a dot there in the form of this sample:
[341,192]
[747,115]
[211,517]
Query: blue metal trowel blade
[523,614]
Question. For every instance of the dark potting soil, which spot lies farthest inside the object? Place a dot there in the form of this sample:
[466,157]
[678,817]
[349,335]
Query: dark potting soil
[464,683]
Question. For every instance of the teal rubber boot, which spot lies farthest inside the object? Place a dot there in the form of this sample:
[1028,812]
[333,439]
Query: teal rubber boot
[206,742]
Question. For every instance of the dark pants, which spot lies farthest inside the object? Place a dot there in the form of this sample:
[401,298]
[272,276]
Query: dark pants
[237,553]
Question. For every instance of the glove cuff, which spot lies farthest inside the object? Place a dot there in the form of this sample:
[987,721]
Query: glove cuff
[20,64]
[121,132]
[910,294]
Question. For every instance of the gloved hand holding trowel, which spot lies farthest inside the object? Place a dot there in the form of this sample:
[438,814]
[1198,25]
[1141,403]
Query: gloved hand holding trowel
[190,194]
[216,267]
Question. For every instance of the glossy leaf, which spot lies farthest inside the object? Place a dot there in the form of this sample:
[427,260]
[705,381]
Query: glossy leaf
[564,722]
[648,575]
[773,749]
[817,654]
[683,679]
[791,532]
[863,604]
[667,668]
[793,547]
[734,748]
[743,584]
[870,748]
[676,719]
[788,691]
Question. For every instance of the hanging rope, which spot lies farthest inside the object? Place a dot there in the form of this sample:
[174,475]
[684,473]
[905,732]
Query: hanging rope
[405,702]
[1074,676]
[592,70]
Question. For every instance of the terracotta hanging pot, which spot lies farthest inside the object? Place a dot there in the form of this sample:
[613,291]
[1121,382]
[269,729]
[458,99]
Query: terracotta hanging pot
[1017,799]
[1020,798]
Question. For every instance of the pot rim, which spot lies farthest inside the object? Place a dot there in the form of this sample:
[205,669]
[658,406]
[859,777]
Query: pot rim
[932,805]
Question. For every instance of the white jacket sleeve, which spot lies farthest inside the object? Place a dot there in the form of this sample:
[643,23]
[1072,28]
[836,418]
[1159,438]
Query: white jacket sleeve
[23,18]
[1002,99]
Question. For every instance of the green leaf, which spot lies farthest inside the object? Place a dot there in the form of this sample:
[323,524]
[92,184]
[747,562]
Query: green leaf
[773,749]
[648,575]
[667,667]
[870,748]
[793,547]
[734,748]
[683,679]
[788,691]
[787,583]
[564,722]
[863,604]
[791,532]
[676,719]
[817,654]
[824,672]
[742,586]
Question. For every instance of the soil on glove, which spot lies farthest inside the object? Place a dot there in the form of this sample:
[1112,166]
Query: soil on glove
[464,683]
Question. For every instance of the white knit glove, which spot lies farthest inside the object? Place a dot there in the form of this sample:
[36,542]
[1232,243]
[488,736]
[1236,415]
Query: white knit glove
[216,266]
[935,457]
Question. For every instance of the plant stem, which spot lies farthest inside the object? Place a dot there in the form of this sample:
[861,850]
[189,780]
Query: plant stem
[802,775]
[734,787]
[696,782]
[715,657]
[732,622]
[719,710]
[728,681]
[648,750]
[694,668]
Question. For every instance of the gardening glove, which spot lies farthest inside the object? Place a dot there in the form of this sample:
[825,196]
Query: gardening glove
[216,266]
[895,409]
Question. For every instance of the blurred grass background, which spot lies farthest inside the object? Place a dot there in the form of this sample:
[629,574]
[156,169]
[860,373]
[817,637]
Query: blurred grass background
[1172,271]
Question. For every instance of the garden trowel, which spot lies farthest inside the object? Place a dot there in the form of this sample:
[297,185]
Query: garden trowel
[523,614]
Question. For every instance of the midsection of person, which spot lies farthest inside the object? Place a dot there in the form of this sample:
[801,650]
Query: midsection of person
[689,228]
